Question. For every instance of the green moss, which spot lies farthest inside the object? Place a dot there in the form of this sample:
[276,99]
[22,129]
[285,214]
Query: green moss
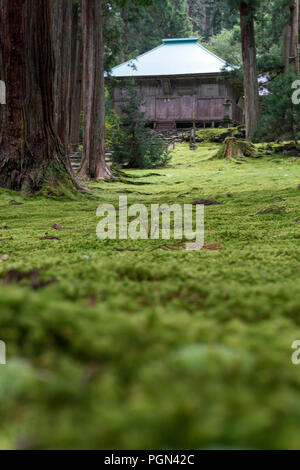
[155,349]
[236,150]
[218,134]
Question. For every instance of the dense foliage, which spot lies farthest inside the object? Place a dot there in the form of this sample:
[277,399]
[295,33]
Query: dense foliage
[133,144]
[280,117]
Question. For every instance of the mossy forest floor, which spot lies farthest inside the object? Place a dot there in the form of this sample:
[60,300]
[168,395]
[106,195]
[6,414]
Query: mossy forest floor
[155,349]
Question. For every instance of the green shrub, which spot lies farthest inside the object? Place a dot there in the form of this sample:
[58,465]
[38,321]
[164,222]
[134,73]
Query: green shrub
[132,142]
[112,127]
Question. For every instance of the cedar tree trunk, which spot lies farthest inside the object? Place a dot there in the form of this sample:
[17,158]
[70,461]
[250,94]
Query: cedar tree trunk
[290,52]
[76,81]
[93,164]
[249,69]
[61,11]
[31,154]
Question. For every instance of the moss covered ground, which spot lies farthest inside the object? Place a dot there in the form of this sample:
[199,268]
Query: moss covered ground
[155,349]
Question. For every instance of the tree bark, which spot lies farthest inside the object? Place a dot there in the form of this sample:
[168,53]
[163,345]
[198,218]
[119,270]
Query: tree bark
[249,69]
[76,81]
[31,154]
[93,160]
[1,76]
[191,8]
[62,46]
[204,19]
[290,51]
[295,37]
[286,46]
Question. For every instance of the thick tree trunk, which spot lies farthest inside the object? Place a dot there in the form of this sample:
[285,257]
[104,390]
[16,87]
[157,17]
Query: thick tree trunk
[61,11]
[290,50]
[295,37]
[93,160]
[249,69]
[31,154]
[76,81]
[1,77]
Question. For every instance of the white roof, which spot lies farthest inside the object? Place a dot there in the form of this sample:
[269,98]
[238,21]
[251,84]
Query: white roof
[173,57]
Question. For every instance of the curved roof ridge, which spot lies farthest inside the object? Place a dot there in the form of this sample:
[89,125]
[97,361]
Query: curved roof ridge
[166,41]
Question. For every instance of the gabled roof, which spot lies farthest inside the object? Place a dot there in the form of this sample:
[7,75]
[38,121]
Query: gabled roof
[173,57]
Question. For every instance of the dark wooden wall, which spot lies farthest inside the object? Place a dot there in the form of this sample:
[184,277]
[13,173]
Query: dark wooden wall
[183,99]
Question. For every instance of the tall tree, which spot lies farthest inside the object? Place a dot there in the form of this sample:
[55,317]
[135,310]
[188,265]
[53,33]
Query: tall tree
[146,22]
[290,51]
[61,11]
[76,78]
[249,68]
[31,153]
[209,17]
[93,160]
[247,9]
[67,43]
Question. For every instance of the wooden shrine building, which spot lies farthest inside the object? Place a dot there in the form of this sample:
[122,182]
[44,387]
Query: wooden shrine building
[182,84]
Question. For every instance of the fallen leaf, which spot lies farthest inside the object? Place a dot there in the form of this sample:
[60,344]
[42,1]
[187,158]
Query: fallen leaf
[270,210]
[6,239]
[48,237]
[170,246]
[211,246]
[15,203]
[60,227]
[206,202]
[124,249]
